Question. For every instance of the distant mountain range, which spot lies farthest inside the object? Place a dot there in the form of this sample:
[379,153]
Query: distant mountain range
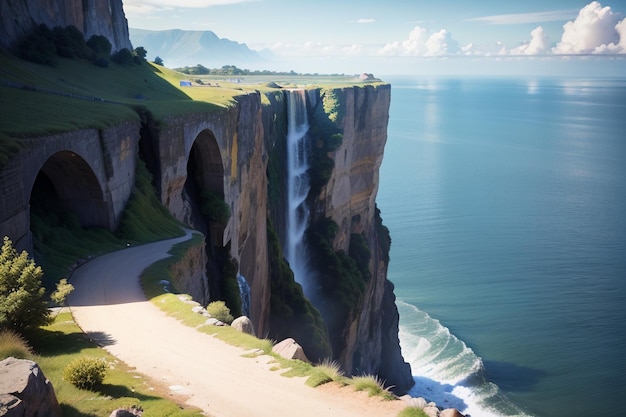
[179,48]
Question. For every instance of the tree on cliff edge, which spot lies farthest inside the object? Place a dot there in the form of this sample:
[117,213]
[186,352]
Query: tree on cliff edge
[22,304]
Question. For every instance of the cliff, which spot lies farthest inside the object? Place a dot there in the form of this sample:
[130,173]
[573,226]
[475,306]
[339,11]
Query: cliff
[366,341]
[221,170]
[102,17]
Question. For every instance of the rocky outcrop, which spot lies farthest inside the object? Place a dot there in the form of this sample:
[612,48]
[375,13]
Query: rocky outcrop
[25,391]
[103,17]
[189,273]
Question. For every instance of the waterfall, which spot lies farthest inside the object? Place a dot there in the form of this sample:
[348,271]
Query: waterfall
[244,293]
[297,183]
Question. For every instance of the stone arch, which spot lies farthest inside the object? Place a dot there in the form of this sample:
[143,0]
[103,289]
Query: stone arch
[66,181]
[205,172]
[205,163]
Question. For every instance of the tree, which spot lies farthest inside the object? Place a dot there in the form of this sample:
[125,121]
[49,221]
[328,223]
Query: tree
[139,54]
[123,57]
[158,60]
[100,45]
[22,304]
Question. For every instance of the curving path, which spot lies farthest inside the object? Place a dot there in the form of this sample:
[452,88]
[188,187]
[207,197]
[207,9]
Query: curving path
[109,305]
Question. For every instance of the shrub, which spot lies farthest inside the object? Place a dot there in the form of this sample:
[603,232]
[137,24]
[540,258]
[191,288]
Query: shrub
[373,385]
[218,310]
[412,412]
[39,47]
[22,304]
[123,57]
[64,289]
[12,344]
[85,373]
[70,42]
[100,45]
[325,372]
[215,208]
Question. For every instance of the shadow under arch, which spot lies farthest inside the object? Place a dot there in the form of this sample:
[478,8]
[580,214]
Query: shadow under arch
[67,184]
[204,195]
[205,176]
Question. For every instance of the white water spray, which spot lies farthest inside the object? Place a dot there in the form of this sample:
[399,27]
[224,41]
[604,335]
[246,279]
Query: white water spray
[244,293]
[297,183]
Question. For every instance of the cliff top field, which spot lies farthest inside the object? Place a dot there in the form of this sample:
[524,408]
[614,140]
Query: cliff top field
[77,94]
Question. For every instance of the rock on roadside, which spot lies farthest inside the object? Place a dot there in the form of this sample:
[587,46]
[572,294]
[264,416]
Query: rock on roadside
[25,391]
[244,325]
[290,349]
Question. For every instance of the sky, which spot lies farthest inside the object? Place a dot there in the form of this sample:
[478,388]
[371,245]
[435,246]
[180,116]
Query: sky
[555,37]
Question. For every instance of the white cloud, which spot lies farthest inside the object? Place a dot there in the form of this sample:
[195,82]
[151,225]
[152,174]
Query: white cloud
[596,29]
[523,18]
[353,50]
[366,21]
[538,45]
[420,44]
[441,43]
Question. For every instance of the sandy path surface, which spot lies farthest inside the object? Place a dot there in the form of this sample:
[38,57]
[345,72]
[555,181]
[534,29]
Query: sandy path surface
[109,305]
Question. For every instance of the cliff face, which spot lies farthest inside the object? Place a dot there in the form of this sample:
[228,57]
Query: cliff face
[102,17]
[370,335]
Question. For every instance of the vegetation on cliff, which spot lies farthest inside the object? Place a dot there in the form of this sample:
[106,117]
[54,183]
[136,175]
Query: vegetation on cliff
[341,277]
[291,314]
[325,137]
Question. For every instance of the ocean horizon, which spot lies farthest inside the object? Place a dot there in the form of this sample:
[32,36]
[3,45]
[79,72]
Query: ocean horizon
[506,203]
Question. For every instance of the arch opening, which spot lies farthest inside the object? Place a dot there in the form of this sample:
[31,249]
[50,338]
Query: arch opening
[204,188]
[67,192]
[209,213]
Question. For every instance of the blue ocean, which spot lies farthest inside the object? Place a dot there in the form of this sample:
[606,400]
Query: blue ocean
[506,202]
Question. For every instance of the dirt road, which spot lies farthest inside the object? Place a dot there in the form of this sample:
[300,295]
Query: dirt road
[109,305]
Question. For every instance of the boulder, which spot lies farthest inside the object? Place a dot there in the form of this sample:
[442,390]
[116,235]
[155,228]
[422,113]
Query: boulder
[244,325]
[127,412]
[213,322]
[431,411]
[418,402]
[25,391]
[450,412]
[290,349]
[200,310]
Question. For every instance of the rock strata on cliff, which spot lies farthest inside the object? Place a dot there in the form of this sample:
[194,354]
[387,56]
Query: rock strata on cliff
[103,17]
[369,337]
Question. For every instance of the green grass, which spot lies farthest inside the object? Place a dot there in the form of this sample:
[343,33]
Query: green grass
[12,344]
[62,342]
[28,114]
[373,386]
[412,412]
